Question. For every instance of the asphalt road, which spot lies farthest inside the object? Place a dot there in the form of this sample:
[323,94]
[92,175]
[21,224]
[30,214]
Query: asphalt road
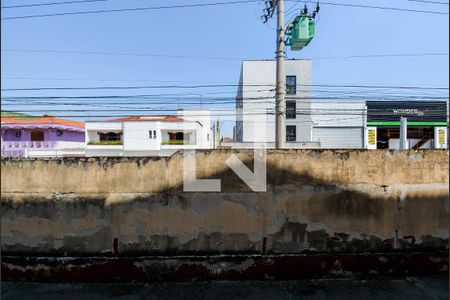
[424,287]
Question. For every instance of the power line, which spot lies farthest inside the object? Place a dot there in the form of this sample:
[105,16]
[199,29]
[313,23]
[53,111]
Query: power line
[120,54]
[318,111]
[429,2]
[132,9]
[293,8]
[177,96]
[153,81]
[381,7]
[383,55]
[172,112]
[219,85]
[51,3]
[210,101]
[214,4]
[135,87]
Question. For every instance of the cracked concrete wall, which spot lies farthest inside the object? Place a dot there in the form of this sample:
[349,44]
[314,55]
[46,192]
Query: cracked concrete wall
[317,201]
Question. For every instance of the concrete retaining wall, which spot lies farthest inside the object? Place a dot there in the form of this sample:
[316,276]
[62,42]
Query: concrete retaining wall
[317,202]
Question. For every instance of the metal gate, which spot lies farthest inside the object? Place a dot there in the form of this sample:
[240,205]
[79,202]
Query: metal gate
[339,137]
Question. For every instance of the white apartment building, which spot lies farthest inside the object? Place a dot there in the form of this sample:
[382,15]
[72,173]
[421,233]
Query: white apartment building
[149,135]
[255,106]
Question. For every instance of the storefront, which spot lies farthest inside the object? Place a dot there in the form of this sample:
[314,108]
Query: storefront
[427,124]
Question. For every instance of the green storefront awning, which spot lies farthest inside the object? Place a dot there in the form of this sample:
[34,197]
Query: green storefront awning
[390,123]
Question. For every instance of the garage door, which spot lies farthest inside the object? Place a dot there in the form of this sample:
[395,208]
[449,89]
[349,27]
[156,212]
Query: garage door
[339,137]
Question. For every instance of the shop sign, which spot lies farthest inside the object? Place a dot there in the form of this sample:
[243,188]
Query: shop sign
[408,112]
[371,136]
[441,136]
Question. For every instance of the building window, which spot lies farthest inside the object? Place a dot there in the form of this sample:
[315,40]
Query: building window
[291,85]
[291,133]
[59,132]
[18,133]
[179,136]
[290,110]
[110,136]
[37,136]
[152,134]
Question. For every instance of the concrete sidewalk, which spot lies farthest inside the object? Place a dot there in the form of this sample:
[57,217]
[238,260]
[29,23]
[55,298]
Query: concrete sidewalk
[408,288]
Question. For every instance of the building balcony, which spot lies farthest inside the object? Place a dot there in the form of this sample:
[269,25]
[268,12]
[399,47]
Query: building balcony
[16,145]
[99,145]
[175,139]
[41,148]
[105,143]
[178,142]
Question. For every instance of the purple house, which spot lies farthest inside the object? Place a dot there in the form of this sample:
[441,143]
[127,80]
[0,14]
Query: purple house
[26,136]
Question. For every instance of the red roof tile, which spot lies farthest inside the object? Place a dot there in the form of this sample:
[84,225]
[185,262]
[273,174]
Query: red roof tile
[148,119]
[42,120]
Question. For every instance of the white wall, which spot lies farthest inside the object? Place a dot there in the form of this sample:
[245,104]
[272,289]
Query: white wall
[136,136]
[102,126]
[91,136]
[69,145]
[120,152]
[329,113]
[202,118]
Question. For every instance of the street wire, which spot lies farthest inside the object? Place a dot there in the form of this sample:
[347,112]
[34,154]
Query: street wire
[121,54]
[382,55]
[132,9]
[213,4]
[380,7]
[219,85]
[429,2]
[51,3]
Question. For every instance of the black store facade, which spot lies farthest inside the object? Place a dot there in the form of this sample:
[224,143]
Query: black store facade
[426,122]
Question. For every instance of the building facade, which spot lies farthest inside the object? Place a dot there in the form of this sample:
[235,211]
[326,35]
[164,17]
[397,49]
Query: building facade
[427,124]
[337,124]
[255,106]
[149,135]
[41,137]
[329,124]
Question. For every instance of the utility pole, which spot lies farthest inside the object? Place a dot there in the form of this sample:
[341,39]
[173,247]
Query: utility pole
[299,36]
[280,103]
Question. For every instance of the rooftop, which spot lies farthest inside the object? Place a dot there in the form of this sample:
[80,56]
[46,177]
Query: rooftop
[25,119]
[274,60]
[150,118]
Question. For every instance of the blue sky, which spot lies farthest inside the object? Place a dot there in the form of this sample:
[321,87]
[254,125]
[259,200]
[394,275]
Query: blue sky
[233,31]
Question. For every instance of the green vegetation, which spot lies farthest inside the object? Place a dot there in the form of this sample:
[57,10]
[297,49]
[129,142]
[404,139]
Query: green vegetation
[104,143]
[174,142]
[12,114]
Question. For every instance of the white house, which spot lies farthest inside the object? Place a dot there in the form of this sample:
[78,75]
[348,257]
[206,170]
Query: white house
[149,135]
